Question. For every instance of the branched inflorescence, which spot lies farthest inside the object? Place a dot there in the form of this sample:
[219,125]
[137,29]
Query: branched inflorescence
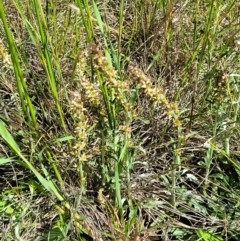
[112,80]
[156,94]
[79,111]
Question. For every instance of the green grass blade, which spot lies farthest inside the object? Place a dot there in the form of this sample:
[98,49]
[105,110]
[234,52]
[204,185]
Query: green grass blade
[8,138]
[5,160]
[47,59]
[98,17]
[26,102]
[13,145]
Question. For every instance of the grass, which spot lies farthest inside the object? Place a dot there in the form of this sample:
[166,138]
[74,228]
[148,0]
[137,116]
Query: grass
[119,120]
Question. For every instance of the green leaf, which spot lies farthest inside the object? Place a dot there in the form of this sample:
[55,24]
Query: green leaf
[9,210]
[8,138]
[52,235]
[3,203]
[98,17]
[13,145]
[208,236]
[5,160]
[63,139]
[144,121]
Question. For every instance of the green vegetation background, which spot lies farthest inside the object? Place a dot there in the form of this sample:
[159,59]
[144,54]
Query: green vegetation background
[119,120]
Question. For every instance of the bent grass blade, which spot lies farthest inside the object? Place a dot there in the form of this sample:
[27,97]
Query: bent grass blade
[9,140]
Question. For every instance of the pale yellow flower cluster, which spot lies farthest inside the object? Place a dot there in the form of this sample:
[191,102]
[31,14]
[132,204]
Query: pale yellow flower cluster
[81,128]
[6,58]
[156,94]
[111,79]
[91,92]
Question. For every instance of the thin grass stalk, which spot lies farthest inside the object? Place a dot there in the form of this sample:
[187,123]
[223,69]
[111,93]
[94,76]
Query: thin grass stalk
[195,46]
[26,103]
[57,173]
[54,166]
[116,166]
[81,174]
[133,32]
[208,162]
[199,51]
[223,153]
[106,99]
[235,102]
[168,11]
[31,30]
[227,137]
[87,21]
[129,161]
[104,159]
[124,161]
[209,156]
[227,145]
[120,30]
[118,188]
[47,184]
[47,59]
[76,50]
[206,36]
[189,64]
[176,166]
[51,19]
[206,47]
[67,26]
